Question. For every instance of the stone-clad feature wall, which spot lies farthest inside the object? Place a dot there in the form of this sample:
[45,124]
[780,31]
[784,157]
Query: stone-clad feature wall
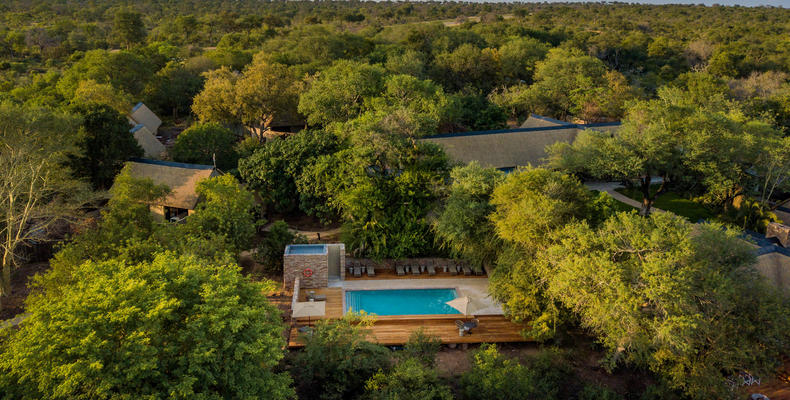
[299,257]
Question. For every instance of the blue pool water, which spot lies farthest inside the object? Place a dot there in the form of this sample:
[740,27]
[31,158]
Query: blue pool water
[306,249]
[401,301]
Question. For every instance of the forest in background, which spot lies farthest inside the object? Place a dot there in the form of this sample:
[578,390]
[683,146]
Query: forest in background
[703,94]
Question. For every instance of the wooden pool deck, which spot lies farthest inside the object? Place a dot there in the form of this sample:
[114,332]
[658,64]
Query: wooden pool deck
[394,331]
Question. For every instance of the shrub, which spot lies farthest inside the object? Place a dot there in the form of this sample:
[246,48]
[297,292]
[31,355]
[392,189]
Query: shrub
[202,143]
[411,379]
[337,360]
[270,250]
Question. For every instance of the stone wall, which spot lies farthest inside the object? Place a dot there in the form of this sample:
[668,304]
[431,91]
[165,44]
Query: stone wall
[295,264]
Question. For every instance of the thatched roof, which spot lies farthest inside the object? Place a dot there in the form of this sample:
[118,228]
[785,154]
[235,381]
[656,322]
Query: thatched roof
[509,148]
[180,178]
[537,121]
[152,147]
[143,115]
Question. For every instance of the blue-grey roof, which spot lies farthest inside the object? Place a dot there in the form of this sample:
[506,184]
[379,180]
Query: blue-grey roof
[140,104]
[171,164]
[536,129]
[767,246]
[136,128]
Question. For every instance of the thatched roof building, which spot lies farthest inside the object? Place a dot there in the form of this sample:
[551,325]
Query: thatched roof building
[510,148]
[152,147]
[182,179]
[143,115]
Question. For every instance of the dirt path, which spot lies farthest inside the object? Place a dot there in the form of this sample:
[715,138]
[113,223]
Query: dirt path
[609,188]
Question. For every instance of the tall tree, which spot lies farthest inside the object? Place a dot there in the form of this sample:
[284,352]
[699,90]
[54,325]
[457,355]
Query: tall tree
[683,300]
[206,143]
[463,225]
[178,326]
[105,143]
[37,189]
[128,28]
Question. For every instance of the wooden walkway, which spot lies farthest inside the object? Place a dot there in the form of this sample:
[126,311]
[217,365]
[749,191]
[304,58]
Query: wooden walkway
[391,331]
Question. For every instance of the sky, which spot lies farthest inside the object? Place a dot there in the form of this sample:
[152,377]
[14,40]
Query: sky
[748,3]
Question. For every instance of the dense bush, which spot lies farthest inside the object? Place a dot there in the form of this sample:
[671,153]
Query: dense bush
[207,144]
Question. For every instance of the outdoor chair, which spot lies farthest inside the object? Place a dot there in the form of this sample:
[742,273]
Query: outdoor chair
[479,271]
[357,272]
[466,327]
[415,270]
[399,270]
[453,270]
[371,270]
[467,270]
[431,270]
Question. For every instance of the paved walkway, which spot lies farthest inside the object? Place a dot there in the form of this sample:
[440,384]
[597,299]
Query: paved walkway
[609,188]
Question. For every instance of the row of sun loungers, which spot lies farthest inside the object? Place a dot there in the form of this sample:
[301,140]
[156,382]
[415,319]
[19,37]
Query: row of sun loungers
[356,270]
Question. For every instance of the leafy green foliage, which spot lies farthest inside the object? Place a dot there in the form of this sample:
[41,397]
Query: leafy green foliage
[105,143]
[409,380]
[463,225]
[206,143]
[177,326]
[270,250]
[273,170]
[226,209]
[495,377]
[128,28]
[690,306]
[37,189]
[422,347]
[337,360]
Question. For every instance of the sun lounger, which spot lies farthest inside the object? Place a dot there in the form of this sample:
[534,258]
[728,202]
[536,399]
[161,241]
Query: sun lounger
[467,270]
[371,271]
[399,270]
[465,328]
[415,270]
[431,270]
[453,270]
[357,272]
[479,271]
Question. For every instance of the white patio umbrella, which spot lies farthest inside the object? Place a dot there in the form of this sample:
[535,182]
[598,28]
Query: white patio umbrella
[309,309]
[467,305]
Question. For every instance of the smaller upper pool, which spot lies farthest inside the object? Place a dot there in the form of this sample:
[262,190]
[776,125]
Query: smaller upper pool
[305,249]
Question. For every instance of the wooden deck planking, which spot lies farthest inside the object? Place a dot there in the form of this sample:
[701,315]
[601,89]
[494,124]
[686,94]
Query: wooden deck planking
[334,302]
[492,329]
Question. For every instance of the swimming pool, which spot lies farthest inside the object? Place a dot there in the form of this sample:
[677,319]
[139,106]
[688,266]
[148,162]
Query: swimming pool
[401,301]
[305,249]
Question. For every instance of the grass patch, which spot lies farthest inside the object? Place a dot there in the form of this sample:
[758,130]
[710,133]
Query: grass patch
[673,202]
[618,206]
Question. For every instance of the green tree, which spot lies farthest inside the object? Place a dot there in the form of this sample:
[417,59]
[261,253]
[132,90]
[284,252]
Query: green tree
[264,92]
[689,303]
[273,170]
[408,380]
[128,28]
[206,143]
[530,205]
[463,225]
[336,360]
[178,326]
[469,67]
[495,377]
[569,83]
[125,71]
[271,249]
[105,144]
[172,89]
[338,93]
[90,92]
[226,209]
[519,56]
[37,189]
